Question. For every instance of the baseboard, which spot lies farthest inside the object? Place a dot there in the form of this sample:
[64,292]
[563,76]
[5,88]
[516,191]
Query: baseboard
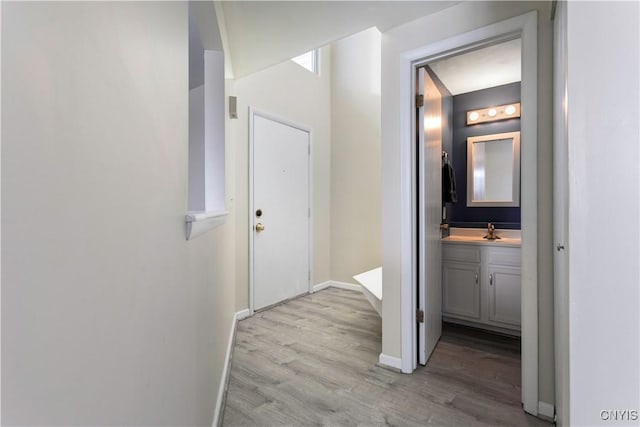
[243,314]
[394,363]
[484,326]
[336,284]
[546,411]
[224,380]
[347,286]
[321,286]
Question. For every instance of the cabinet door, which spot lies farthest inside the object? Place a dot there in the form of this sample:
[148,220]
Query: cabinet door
[461,289]
[504,295]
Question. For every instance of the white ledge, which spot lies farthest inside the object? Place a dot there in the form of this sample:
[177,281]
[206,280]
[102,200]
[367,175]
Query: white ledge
[372,287]
[197,223]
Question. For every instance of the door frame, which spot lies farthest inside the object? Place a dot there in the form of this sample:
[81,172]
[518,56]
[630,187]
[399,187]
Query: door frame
[560,216]
[526,27]
[253,112]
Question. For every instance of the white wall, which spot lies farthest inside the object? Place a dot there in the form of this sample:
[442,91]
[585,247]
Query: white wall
[356,180]
[265,33]
[444,24]
[207,116]
[109,316]
[196,149]
[603,247]
[214,135]
[289,91]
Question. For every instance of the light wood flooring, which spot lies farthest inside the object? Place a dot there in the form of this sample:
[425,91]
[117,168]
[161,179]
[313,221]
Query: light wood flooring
[312,361]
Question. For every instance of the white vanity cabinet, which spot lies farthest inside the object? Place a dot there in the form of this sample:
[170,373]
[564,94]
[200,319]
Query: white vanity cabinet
[481,285]
[503,296]
[461,296]
[461,281]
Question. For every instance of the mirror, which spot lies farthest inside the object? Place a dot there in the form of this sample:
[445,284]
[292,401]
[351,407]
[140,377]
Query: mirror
[493,170]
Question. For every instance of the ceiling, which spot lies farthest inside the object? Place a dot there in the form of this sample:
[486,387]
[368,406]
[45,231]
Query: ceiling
[480,69]
[264,33]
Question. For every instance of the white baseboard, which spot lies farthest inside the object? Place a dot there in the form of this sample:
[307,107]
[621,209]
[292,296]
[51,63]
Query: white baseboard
[243,314]
[546,410]
[336,284]
[347,286]
[390,362]
[320,286]
[224,379]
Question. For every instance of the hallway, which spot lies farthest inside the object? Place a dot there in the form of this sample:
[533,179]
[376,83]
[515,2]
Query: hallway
[312,361]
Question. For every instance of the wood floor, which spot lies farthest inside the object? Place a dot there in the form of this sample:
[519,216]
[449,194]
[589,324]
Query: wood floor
[312,361]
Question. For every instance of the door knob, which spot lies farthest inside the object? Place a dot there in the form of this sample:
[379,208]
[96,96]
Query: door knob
[259,227]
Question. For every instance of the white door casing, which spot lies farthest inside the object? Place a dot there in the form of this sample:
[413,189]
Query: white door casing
[279,188]
[561,218]
[429,197]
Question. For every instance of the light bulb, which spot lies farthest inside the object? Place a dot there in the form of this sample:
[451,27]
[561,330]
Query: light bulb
[474,116]
[492,112]
[510,110]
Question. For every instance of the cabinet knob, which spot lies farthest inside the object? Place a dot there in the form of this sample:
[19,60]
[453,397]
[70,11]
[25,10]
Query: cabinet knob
[491,279]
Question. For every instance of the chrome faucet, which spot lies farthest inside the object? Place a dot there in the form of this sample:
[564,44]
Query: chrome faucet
[491,232]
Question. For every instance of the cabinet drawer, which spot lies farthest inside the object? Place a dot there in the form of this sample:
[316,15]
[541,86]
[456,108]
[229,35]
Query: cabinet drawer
[503,256]
[463,253]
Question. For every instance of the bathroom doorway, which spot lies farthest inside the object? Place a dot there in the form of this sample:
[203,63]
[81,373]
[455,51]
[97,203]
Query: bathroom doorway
[469,114]
[516,30]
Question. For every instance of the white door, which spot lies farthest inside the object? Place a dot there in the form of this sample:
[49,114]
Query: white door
[280,210]
[429,187]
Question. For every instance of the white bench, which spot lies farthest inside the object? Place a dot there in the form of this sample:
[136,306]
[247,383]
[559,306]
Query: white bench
[371,282]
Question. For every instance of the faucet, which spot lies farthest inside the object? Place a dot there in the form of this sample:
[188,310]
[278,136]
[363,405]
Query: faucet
[491,232]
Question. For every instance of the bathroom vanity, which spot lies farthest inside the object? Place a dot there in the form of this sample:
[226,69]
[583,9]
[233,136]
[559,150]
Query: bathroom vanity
[481,280]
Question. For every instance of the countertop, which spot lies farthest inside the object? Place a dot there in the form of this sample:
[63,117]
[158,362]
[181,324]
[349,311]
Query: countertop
[474,236]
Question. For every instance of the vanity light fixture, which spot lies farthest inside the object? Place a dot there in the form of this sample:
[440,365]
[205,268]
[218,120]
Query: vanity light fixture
[491,114]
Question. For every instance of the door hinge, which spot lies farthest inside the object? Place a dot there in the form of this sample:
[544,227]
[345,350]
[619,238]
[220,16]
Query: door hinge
[419,101]
[420,316]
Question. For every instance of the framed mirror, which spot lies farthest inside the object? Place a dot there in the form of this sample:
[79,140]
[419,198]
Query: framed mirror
[493,170]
